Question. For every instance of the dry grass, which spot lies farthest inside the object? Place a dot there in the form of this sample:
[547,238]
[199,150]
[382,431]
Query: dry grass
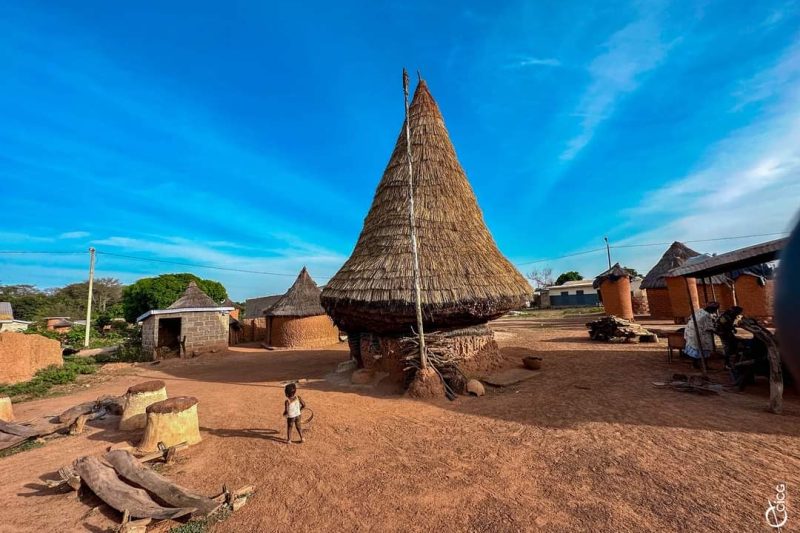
[464,277]
[301,300]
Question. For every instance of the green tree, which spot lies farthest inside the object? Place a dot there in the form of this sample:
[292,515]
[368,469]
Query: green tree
[28,302]
[569,276]
[161,291]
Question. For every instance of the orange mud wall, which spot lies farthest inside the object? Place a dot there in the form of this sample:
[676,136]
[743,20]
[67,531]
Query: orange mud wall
[658,302]
[22,355]
[305,332]
[721,293]
[755,300]
[617,298]
[681,305]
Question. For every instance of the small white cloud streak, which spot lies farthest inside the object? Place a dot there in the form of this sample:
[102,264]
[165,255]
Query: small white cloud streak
[536,62]
[74,235]
[630,53]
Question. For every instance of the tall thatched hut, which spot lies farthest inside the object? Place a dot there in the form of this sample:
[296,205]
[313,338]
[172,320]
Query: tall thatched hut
[465,280]
[615,290]
[298,320]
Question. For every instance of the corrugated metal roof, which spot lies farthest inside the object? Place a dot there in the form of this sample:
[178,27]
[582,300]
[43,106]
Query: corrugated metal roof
[6,313]
[729,261]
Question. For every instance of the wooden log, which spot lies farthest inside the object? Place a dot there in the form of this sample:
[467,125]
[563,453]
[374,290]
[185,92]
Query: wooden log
[71,415]
[17,429]
[9,441]
[773,354]
[103,481]
[132,470]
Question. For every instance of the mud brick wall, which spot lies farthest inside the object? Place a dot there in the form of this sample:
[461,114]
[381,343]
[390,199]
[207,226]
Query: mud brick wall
[679,299]
[254,329]
[204,331]
[306,332]
[22,355]
[617,298]
[720,291]
[757,301]
[658,302]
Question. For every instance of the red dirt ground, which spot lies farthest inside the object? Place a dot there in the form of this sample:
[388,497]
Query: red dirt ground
[588,444]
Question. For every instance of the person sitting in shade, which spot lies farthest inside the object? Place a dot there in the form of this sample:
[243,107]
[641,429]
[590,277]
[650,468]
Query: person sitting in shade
[704,345]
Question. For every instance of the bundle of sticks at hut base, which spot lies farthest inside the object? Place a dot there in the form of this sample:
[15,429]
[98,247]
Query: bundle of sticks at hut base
[441,357]
[73,421]
[615,329]
[124,483]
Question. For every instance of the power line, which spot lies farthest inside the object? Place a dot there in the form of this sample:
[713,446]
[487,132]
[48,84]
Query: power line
[9,252]
[652,244]
[194,265]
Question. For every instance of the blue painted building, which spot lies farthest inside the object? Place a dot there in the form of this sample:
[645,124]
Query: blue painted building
[573,294]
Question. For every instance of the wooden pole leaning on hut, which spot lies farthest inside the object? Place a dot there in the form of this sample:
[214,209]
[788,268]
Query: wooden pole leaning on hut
[423,359]
[696,327]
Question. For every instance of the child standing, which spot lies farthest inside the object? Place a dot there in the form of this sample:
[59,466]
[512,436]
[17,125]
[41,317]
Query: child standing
[292,407]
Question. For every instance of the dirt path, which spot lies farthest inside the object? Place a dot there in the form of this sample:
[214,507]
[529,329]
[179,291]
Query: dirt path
[587,445]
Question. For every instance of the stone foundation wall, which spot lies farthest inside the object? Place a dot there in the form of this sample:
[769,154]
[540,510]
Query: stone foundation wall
[22,355]
[306,332]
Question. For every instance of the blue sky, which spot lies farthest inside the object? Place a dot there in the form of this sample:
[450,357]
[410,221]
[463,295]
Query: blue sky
[252,136]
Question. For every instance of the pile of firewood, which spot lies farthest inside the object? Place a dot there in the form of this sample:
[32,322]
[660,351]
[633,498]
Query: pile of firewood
[615,329]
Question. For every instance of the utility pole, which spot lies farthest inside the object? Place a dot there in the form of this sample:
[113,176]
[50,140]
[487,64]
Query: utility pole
[423,358]
[608,252]
[89,298]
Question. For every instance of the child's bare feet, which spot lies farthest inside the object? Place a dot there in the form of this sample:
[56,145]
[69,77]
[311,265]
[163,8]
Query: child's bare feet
[302,440]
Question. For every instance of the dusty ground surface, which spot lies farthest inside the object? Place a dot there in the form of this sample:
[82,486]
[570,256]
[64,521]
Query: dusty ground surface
[588,444]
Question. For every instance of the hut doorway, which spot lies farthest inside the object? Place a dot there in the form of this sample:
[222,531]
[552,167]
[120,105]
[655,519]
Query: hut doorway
[169,334]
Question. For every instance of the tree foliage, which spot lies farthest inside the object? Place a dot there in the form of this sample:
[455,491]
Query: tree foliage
[572,275]
[32,303]
[160,292]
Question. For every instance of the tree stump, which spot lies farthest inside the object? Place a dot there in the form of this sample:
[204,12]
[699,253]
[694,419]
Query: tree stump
[171,422]
[138,398]
[6,411]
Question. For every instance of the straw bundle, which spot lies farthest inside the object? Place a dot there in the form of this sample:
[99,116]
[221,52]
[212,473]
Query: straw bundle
[465,279]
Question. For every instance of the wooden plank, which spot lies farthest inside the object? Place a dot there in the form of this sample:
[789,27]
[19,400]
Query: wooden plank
[103,481]
[17,429]
[9,441]
[132,470]
[70,415]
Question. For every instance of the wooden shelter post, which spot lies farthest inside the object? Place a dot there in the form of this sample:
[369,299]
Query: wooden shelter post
[696,327]
[423,359]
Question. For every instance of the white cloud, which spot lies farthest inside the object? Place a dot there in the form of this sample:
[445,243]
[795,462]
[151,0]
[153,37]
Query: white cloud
[629,53]
[536,62]
[74,235]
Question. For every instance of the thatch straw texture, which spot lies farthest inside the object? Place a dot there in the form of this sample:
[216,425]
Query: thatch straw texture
[302,299]
[676,255]
[193,296]
[464,277]
[612,274]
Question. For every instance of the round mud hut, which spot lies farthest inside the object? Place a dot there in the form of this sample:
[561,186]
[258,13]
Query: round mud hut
[464,279]
[297,319]
[615,290]
[660,296]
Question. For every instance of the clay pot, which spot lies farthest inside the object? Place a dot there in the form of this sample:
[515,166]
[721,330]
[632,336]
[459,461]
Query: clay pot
[532,362]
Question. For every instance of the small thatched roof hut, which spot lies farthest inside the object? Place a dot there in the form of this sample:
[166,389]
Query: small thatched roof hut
[615,290]
[193,298]
[297,319]
[465,280]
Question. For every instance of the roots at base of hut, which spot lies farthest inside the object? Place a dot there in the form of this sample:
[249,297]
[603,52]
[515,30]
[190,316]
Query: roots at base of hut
[427,384]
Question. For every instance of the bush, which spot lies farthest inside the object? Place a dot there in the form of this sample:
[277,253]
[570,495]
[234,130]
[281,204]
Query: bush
[46,378]
[129,351]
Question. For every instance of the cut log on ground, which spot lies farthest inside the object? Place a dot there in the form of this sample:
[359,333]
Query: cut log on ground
[130,469]
[615,329]
[103,481]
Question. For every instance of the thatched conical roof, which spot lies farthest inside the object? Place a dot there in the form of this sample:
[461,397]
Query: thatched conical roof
[465,279]
[193,297]
[302,299]
[614,273]
[675,256]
